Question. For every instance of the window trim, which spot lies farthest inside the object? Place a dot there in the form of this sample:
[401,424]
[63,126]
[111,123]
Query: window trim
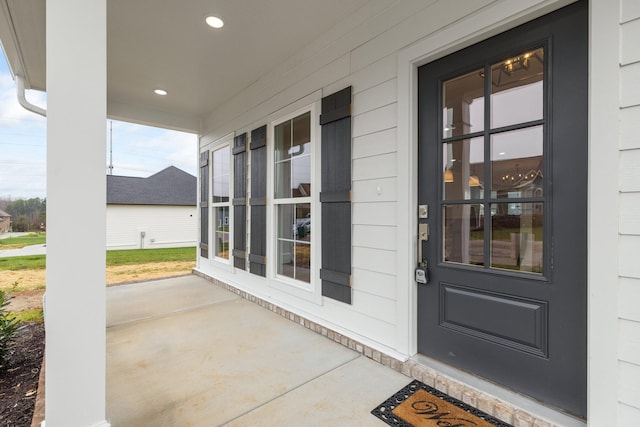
[225,141]
[216,205]
[310,290]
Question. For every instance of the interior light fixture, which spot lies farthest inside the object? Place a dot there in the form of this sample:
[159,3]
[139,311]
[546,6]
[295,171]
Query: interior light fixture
[161,92]
[448,175]
[214,21]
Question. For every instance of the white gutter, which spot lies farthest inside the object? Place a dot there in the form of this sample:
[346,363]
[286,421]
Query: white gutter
[22,99]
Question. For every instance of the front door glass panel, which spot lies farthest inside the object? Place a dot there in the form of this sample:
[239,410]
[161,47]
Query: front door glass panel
[493,210]
[463,109]
[463,169]
[517,92]
[517,163]
[517,236]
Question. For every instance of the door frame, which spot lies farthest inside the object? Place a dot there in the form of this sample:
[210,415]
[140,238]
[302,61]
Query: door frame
[602,247]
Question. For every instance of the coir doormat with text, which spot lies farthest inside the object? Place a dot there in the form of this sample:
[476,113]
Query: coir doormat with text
[418,405]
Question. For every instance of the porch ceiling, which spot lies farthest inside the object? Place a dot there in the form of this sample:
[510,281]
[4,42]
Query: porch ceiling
[166,44]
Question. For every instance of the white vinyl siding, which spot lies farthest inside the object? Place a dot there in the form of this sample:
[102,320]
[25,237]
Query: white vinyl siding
[164,226]
[629,216]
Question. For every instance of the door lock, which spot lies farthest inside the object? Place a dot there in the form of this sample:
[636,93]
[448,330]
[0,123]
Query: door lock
[422,275]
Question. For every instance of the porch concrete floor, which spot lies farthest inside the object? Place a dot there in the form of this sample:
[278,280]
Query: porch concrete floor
[185,352]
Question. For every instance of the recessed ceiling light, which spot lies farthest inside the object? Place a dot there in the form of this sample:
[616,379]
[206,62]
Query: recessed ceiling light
[160,92]
[214,21]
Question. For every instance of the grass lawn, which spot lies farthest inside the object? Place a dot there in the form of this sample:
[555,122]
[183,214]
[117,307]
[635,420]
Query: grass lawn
[26,274]
[22,241]
[114,258]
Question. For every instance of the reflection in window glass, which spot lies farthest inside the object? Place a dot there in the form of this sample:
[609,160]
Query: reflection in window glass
[517,236]
[222,232]
[220,174]
[293,158]
[517,92]
[463,240]
[293,181]
[463,109]
[294,241]
[517,163]
[463,169]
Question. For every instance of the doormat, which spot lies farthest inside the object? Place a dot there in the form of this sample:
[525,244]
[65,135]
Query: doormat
[418,405]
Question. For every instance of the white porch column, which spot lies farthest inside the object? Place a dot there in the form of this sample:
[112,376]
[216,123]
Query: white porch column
[76,214]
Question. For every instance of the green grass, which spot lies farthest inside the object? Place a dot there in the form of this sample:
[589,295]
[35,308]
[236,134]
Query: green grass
[34,315]
[144,256]
[31,262]
[22,241]
[123,257]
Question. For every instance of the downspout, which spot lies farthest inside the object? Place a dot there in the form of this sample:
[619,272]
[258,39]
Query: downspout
[22,99]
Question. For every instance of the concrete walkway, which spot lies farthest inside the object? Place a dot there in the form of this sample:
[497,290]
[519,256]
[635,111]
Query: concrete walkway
[40,249]
[185,352]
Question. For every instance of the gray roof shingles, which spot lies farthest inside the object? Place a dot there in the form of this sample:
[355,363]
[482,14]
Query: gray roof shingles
[169,187]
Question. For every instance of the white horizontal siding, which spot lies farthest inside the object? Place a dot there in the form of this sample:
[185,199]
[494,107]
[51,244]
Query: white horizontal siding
[374,283]
[628,415]
[164,226]
[629,349]
[375,97]
[629,216]
[629,384]
[630,213]
[629,9]
[630,39]
[630,170]
[629,249]
[382,166]
[361,80]
[629,120]
[383,214]
[377,260]
[375,120]
[629,299]
[630,81]
[375,190]
[375,237]
[375,144]
[431,18]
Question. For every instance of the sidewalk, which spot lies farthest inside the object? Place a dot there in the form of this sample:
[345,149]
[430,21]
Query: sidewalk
[40,249]
[186,352]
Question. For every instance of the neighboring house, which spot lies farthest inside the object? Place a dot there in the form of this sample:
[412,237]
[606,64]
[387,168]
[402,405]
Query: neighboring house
[154,212]
[5,222]
[348,147]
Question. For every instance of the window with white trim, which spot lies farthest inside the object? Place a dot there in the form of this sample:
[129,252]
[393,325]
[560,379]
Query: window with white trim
[220,189]
[292,197]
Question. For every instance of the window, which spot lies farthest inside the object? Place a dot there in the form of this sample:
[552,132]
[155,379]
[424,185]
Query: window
[292,197]
[204,205]
[220,184]
[493,157]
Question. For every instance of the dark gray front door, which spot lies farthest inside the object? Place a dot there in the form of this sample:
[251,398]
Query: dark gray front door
[503,170]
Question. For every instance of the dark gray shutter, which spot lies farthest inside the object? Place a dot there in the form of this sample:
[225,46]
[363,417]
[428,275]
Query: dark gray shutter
[240,201]
[335,195]
[204,204]
[258,202]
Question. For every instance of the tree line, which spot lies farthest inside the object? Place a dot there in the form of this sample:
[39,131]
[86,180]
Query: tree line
[26,214]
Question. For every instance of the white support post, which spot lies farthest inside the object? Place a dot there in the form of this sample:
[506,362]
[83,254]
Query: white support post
[76,214]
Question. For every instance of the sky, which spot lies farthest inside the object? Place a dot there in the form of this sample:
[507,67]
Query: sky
[137,150]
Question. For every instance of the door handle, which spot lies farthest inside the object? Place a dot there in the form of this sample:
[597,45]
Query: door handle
[421,273]
[423,236]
